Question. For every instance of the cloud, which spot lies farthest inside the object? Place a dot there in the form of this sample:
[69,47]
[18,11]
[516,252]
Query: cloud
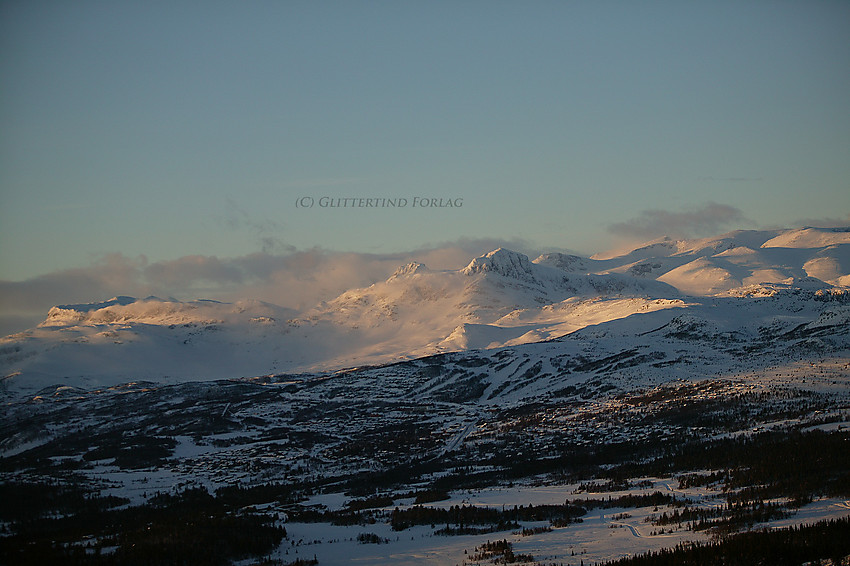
[108,273]
[24,303]
[191,270]
[825,222]
[706,220]
[11,323]
[296,279]
[303,278]
[268,233]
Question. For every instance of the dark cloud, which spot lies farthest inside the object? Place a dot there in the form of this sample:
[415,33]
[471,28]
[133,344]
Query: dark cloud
[10,324]
[103,279]
[825,222]
[706,220]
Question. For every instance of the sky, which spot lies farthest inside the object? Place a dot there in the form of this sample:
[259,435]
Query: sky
[283,150]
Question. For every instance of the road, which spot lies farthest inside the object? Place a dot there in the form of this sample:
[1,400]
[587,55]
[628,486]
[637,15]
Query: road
[634,531]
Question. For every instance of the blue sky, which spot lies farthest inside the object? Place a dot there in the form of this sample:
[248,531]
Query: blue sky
[155,131]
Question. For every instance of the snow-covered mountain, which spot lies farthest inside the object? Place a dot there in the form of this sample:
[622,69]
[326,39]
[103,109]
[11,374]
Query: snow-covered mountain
[779,278]
[715,265]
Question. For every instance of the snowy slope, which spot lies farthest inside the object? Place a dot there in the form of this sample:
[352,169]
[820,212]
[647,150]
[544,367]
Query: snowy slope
[710,266]
[500,299]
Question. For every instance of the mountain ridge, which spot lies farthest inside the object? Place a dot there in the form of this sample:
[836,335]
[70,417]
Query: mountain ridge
[500,299]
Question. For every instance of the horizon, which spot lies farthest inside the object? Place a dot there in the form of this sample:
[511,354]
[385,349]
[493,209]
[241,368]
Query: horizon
[255,277]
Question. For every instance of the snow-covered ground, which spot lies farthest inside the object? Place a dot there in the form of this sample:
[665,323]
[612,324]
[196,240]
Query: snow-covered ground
[604,534]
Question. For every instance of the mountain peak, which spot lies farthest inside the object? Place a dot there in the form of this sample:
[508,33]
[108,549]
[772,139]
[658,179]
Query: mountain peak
[504,262]
[411,268]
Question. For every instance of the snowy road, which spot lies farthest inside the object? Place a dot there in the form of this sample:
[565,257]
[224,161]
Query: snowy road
[633,530]
[455,442]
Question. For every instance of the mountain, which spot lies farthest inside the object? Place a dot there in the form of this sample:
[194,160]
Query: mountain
[498,300]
